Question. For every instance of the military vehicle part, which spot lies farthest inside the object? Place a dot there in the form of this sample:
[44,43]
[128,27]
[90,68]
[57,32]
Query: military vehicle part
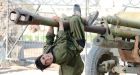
[126,69]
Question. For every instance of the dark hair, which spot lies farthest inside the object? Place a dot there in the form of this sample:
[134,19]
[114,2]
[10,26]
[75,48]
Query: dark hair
[39,65]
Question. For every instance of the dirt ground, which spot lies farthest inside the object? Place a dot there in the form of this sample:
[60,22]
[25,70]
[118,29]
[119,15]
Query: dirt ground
[29,70]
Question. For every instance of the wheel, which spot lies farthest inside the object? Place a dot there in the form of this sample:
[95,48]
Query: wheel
[95,57]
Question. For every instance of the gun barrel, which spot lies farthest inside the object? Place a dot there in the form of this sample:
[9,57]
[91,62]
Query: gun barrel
[116,20]
[24,17]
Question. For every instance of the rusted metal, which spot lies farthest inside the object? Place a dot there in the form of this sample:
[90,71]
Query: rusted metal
[120,44]
[23,17]
[106,65]
[131,55]
[95,29]
[123,33]
[116,20]
[119,69]
[126,69]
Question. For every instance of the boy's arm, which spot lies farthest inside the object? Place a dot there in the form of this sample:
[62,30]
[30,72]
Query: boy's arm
[61,34]
[49,38]
[61,26]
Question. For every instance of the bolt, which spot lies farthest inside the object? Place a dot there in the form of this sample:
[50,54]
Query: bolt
[97,40]
[124,70]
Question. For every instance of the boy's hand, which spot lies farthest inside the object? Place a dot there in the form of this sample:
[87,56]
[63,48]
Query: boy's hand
[56,18]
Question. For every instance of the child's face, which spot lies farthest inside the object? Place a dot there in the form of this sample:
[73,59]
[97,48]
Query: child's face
[47,59]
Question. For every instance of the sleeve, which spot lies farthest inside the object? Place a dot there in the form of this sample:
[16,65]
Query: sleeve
[49,41]
[61,36]
[61,47]
[50,38]
[61,33]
